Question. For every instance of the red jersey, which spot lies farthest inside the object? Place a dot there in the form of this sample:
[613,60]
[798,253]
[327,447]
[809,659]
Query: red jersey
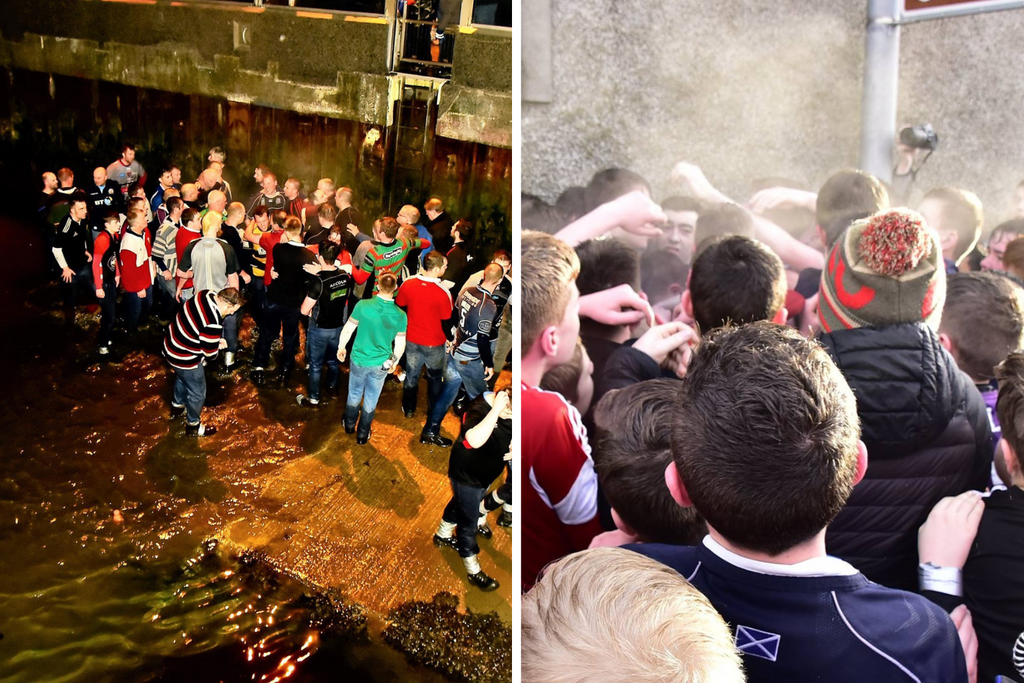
[182,239]
[560,489]
[427,305]
[267,243]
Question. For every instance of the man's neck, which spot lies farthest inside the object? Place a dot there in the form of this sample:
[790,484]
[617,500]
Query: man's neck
[809,550]
[458,240]
[533,366]
[47,190]
[385,297]
[344,205]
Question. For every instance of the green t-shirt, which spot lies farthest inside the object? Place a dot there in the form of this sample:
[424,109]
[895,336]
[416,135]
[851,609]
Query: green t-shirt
[380,321]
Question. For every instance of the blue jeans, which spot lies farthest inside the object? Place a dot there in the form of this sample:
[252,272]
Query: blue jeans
[416,356]
[276,316]
[364,384]
[136,307]
[452,380]
[231,330]
[190,391]
[472,373]
[323,347]
[464,510]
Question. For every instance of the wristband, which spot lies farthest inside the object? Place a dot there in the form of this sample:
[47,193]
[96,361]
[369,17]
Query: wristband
[948,580]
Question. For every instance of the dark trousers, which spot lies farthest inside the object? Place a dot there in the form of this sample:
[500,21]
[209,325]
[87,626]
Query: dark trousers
[276,317]
[257,300]
[108,312]
[80,282]
[464,510]
[136,308]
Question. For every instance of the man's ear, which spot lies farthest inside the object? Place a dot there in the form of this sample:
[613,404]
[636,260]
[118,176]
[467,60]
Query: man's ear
[862,462]
[687,302]
[946,342]
[676,486]
[549,341]
[781,317]
[622,526]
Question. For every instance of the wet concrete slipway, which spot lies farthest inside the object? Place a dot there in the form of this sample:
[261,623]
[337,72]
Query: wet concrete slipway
[276,549]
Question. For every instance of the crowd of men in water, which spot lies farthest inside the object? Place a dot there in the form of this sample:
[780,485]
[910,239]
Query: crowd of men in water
[771,440]
[399,297]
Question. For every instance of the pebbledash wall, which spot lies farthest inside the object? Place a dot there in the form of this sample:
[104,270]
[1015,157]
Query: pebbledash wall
[308,94]
[769,89]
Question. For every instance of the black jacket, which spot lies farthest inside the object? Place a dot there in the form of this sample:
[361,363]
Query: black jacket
[927,435]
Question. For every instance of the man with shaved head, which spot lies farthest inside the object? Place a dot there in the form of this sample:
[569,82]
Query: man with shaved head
[103,197]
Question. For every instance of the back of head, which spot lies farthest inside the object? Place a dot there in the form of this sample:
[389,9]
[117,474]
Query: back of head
[230,296]
[175,204]
[292,227]
[605,264]
[493,273]
[434,260]
[387,283]
[549,268]
[344,194]
[211,224]
[765,436]
[327,212]
[610,184]
[984,320]
[329,251]
[736,280]
[572,203]
[659,271]
[609,615]
[217,154]
[189,192]
[633,448]
[434,204]
[885,270]
[278,218]
[845,197]
[388,227]
[464,228]
[66,176]
[188,215]
[962,213]
[236,213]
[1010,404]
[724,220]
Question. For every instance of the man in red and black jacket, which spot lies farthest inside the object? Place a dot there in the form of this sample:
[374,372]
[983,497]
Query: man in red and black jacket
[106,273]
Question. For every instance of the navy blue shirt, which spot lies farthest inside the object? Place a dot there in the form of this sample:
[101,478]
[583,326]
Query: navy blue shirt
[834,629]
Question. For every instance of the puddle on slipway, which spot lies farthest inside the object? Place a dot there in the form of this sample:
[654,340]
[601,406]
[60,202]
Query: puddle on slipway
[107,570]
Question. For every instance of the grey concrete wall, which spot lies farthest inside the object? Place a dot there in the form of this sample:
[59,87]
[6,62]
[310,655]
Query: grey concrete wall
[754,90]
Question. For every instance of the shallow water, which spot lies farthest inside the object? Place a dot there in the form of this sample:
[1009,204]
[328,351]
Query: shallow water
[107,567]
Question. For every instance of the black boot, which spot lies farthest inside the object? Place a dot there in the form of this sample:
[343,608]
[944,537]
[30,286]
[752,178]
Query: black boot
[432,436]
[483,582]
[505,519]
[409,395]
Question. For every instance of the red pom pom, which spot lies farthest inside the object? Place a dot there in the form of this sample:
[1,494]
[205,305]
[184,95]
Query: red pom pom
[894,242]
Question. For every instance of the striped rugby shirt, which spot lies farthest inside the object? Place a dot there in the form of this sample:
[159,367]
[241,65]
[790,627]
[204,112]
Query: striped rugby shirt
[387,258]
[195,332]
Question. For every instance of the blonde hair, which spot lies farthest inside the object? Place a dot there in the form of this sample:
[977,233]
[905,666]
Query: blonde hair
[549,268]
[609,615]
[211,224]
[236,210]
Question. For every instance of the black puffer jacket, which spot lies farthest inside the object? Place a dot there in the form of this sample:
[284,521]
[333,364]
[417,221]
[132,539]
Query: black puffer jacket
[927,435]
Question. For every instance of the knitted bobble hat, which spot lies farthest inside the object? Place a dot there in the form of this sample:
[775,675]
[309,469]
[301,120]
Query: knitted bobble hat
[886,269]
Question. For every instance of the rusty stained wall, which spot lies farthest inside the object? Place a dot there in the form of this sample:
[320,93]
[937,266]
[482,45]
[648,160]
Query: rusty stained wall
[82,122]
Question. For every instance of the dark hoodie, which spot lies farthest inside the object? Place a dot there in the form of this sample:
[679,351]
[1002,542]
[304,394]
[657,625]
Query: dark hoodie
[927,435]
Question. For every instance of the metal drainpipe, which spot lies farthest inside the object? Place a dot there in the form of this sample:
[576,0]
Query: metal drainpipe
[881,86]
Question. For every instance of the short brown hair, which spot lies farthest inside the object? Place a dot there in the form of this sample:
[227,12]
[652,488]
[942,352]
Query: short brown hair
[961,212]
[845,197]
[230,296]
[633,448]
[388,227]
[387,283]
[292,225]
[984,319]
[464,228]
[1010,404]
[433,204]
[765,436]
[662,628]
[433,259]
[736,280]
[134,214]
[549,268]
[65,175]
[1013,258]
[724,220]
[236,211]
[327,211]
